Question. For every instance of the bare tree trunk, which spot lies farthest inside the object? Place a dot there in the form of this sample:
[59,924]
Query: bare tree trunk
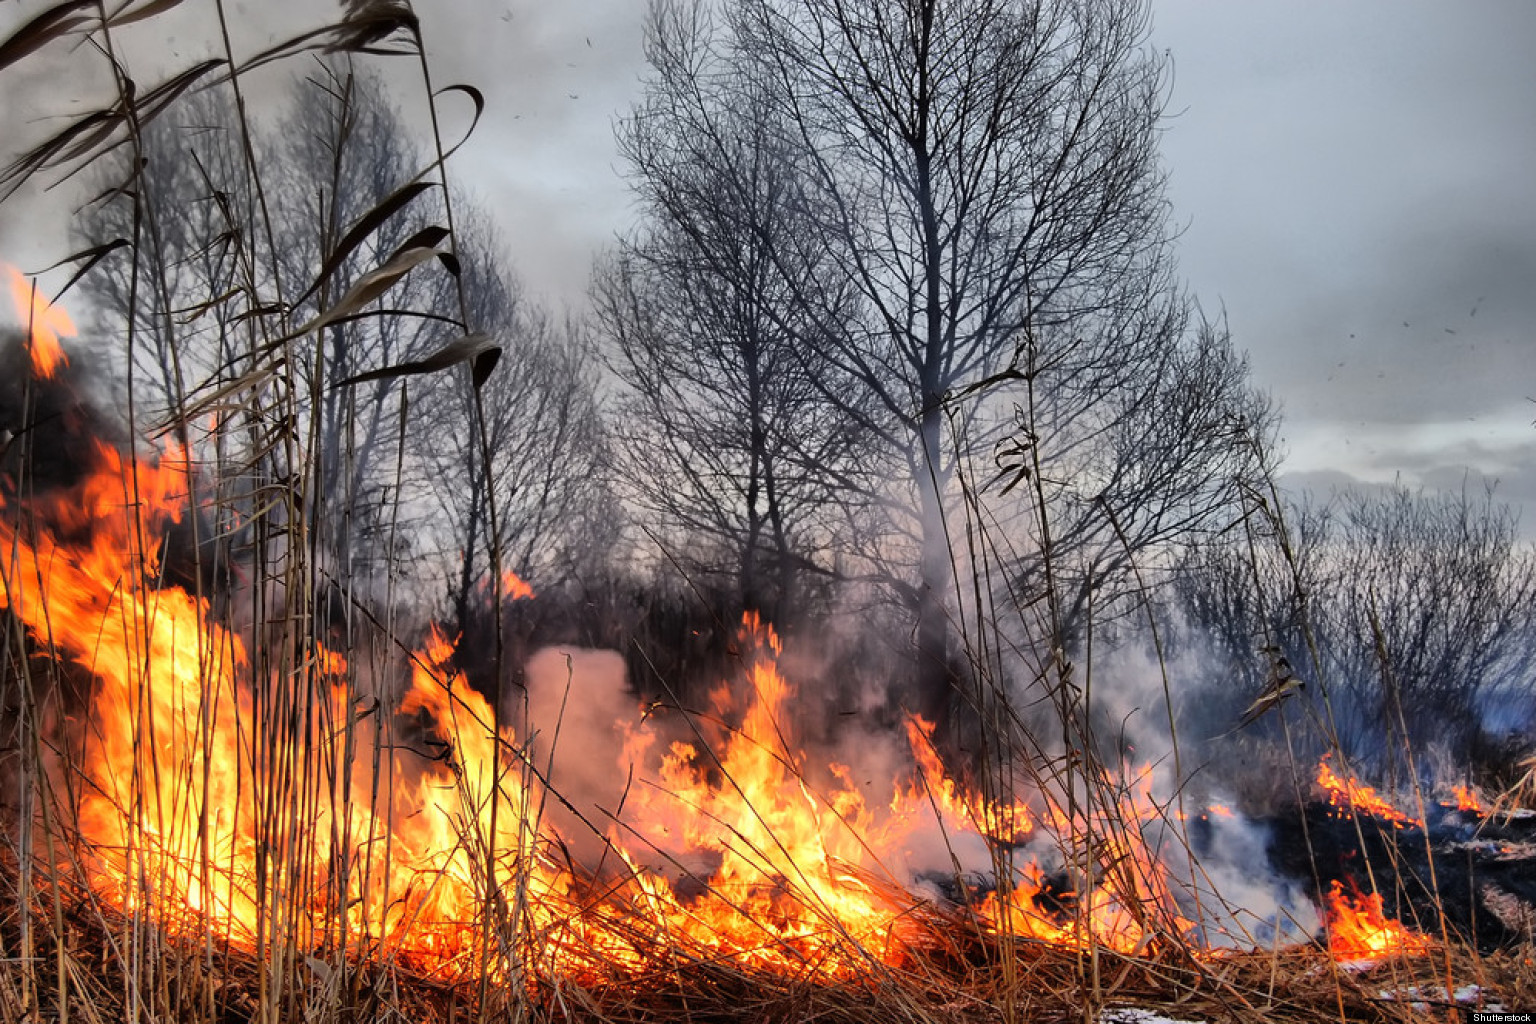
[784,602]
[934,682]
[471,541]
[757,443]
[934,676]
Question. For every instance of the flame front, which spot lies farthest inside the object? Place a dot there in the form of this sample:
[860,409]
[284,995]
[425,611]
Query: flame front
[188,804]
[92,601]
[197,805]
[1467,799]
[797,882]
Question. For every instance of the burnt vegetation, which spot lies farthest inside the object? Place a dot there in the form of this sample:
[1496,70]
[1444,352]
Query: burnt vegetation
[895,358]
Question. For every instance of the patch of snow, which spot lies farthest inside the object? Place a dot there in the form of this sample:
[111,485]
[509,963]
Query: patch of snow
[1415,997]
[1132,1015]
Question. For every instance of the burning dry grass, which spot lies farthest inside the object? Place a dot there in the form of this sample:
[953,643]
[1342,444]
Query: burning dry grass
[1350,796]
[279,805]
[236,841]
[349,870]
[964,975]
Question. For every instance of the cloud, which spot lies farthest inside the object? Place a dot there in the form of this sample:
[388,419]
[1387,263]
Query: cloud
[555,78]
[1450,467]
[1496,439]
[1354,183]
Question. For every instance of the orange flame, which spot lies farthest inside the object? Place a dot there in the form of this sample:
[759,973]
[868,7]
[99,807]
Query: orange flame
[1359,930]
[1467,799]
[1350,796]
[1126,902]
[513,586]
[185,809]
[44,323]
[796,881]
[737,849]
[958,811]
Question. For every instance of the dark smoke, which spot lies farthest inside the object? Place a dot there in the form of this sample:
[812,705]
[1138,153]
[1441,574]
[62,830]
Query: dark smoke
[50,427]
[51,433]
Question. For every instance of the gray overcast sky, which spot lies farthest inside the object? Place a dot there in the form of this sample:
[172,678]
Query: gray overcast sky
[1356,183]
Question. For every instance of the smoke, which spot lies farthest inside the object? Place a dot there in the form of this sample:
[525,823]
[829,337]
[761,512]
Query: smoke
[578,715]
[602,752]
[1241,900]
[1217,859]
[52,427]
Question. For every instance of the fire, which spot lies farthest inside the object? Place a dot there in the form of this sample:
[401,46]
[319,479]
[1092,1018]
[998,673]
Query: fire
[1350,796]
[1359,930]
[959,811]
[93,602]
[1467,799]
[1117,909]
[265,793]
[513,586]
[44,322]
[796,880]
[1126,901]
[187,806]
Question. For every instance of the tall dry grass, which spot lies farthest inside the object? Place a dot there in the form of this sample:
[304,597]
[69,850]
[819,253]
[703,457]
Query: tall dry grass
[69,955]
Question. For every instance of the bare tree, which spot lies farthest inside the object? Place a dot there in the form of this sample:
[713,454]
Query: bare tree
[334,154]
[730,444]
[342,133]
[381,468]
[196,198]
[1422,610]
[1123,474]
[984,176]
[545,428]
